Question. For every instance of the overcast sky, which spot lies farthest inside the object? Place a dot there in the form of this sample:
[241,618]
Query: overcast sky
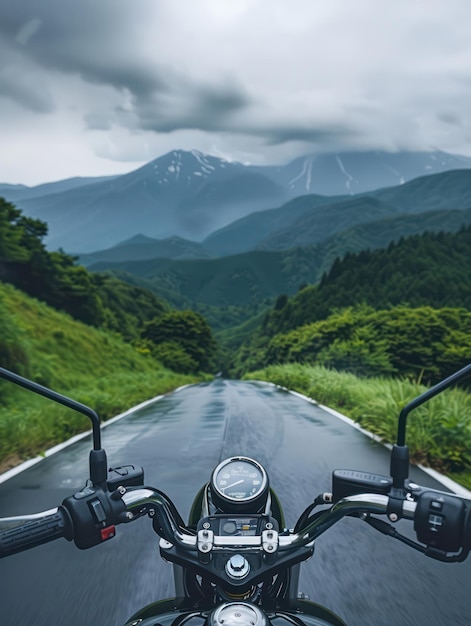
[95,87]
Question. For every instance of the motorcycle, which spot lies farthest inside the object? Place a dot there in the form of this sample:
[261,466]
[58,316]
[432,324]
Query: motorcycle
[235,563]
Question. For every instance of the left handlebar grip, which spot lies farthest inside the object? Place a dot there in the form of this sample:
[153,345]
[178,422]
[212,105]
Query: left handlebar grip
[34,532]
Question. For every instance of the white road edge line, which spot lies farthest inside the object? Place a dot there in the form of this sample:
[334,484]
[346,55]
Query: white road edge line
[27,464]
[459,490]
[444,480]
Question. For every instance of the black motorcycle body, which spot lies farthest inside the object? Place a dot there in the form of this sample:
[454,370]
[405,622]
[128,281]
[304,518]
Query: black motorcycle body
[170,612]
[182,609]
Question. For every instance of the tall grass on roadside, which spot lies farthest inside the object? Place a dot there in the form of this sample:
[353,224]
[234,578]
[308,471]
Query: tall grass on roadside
[29,424]
[438,432]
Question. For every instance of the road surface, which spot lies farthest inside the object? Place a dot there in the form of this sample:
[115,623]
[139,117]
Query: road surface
[360,574]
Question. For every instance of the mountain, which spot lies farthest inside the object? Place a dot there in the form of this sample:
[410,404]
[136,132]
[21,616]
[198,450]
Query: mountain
[253,277]
[142,247]
[380,234]
[322,222]
[191,195]
[403,309]
[21,192]
[246,233]
[11,190]
[448,190]
[232,281]
[180,194]
[358,172]
[310,219]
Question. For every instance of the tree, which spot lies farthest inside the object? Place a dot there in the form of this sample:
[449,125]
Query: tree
[281,302]
[187,329]
[55,278]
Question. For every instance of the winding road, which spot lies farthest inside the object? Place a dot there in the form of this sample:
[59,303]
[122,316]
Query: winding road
[360,574]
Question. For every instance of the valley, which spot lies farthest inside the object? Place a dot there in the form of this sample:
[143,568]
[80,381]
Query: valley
[331,281]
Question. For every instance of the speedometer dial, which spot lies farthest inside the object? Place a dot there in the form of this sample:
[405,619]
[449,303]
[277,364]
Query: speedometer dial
[238,481]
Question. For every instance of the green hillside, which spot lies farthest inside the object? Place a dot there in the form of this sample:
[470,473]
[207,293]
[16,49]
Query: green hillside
[309,219]
[73,338]
[430,269]
[420,343]
[88,364]
[230,290]
[54,277]
[411,316]
[235,280]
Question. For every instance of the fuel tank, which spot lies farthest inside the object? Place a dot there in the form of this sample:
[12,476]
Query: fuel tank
[171,612]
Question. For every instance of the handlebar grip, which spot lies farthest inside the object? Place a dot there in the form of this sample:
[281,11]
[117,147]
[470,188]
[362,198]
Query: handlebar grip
[36,532]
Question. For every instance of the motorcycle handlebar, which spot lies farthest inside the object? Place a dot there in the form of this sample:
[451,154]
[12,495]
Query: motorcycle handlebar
[167,522]
[28,531]
[442,521]
[372,504]
[147,500]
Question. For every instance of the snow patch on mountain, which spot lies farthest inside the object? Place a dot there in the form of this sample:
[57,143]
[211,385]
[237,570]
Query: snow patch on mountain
[350,179]
[305,172]
[400,177]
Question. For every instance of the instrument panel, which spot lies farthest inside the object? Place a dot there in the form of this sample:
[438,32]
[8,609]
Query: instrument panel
[239,481]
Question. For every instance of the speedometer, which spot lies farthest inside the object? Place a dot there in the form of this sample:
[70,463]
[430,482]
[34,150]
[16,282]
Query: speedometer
[239,482]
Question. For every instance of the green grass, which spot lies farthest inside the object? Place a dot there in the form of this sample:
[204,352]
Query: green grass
[438,433]
[89,365]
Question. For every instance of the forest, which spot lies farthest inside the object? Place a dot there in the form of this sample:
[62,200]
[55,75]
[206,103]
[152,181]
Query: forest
[401,311]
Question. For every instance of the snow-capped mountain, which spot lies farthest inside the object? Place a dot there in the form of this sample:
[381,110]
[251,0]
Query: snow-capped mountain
[190,194]
[356,172]
[187,194]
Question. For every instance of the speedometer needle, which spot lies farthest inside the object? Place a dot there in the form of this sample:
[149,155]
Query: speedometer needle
[233,485]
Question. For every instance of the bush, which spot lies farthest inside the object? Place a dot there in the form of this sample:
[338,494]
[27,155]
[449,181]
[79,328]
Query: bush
[424,343]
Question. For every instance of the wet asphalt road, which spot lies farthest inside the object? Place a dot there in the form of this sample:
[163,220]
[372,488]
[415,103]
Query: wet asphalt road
[363,576]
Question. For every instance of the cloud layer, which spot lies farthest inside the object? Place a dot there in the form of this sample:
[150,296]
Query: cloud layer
[99,87]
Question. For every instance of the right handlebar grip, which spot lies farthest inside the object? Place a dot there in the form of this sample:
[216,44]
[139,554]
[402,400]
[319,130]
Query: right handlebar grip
[36,532]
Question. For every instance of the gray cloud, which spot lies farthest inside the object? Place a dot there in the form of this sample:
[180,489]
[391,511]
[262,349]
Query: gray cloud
[87,38]
[28,30]
[248,78]
[31,97]
[20,83]
[97,121]
[191,106]
[451,118]
[321,134]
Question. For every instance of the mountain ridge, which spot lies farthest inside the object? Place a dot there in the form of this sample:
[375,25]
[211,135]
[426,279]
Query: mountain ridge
[191,195]
[251,278]
[141,247]
[295,223]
